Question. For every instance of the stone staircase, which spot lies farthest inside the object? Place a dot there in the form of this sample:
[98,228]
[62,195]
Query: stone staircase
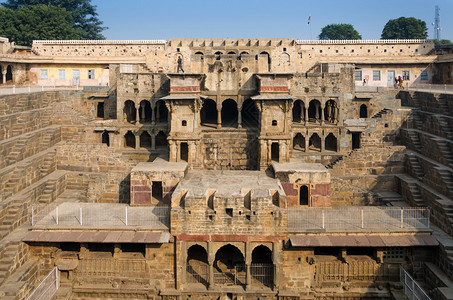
[21,282]
[447,179]
[381,113]
[446,128]
[415,166]
[417,122]
[414,139]
[442,100]
[417,199]
[444,149]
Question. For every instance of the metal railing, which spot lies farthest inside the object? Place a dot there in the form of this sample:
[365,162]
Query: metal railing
[402,41]
[430,87]
[100,214]
[412,289]
[262,274]
[197,274]
[47,287]
[98,42]
[357,218]
[13,89]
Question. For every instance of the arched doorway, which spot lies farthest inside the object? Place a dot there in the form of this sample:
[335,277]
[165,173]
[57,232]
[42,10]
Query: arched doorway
[197,265]
[299,142]
[315,142]
[161,140]
[184,151]
[314,111]
[145,112]
[331,142]
[363,111]
[129,111]
[262,268]
[106,138]
[229,266]
[100,110]
[161,112]
[298,111]
[129,140]
[303,195]
[208,113]
[330,111]
[229,113]
[250,116]
[145,140]
[275,152]
[9,73]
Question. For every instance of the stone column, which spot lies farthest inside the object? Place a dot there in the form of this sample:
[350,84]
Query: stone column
[137,112]
[184,263]
[322,115]
[191,153]
[307,142]
[219,118]
[173,151]
[211,257]
[239,118]
[4,77]
[248,262]
[137,141]
[117,250]
[276,259]
[263,155]
[178,151]
[323,142]
[269,152]
[153,141]
[305,116]
[142,106]
[153,114]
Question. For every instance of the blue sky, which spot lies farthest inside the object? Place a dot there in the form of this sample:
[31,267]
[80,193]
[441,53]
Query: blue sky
[164,19]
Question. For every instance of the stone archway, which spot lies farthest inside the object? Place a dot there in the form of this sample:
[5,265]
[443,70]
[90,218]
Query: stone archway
[9,73]
[250,116]
[161,112]
[229,266]
[129,140]
[299,142]
[331,142]
[363,111]
[229,113]
[197,265]
[314,111]
[315,142]
[208,113]
[130,112]
[145,112]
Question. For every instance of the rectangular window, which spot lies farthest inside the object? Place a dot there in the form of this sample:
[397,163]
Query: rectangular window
[90,74]
[61,74]
[358,75]
[424,75]
[43,74]
[406,75]
[377,75]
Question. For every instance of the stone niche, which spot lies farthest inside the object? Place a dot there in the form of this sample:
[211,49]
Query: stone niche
[305,184]
[152,183]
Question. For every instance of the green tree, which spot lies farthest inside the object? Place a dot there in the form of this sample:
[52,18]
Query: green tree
[25,24]
[405,28]
[339,32]
[442,42]
[84,15]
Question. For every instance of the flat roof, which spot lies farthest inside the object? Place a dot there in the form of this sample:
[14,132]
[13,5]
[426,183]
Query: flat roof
[298,167]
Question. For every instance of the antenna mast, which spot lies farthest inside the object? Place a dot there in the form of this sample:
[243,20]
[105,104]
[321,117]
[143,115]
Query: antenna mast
[437,23]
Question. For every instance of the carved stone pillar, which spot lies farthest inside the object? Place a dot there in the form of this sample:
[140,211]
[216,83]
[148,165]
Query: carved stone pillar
[248,262]
[307,143]
[306,116]
[322,115]
[137,114]
[137,141]
[173,151]
[323,142]
[239,118]
[211,257]
[4,77]
[153,141]
[178,151]
[153,115]
[219,118]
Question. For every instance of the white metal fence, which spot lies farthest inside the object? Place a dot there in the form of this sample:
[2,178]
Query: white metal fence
[412,289]
[100,214]
[47,287]
[13,89]
[357,218]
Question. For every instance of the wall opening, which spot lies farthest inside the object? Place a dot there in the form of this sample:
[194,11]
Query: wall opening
[161,112]
[197,265]
[262,268]
[229,262]
[314,111]
[331,142]
[1,75]
[9,73]
[268,58]
[129,140]
[275,152]
[356,140]
[331,111]
[106,138]
[303,195]
[184,151]
[145,112]
[157,191]
[229,113]
[363,111]
[161,140]
[299,142]
[315,142]
[145,140]
[129,111]
[208,113]
[250,115]
[298,111]
[133,250]
[100,110]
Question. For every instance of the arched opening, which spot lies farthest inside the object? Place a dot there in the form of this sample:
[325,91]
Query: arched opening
[200,55]
[231,53]
[229,113]
[268,60]
[314,111]
[229,266]
[161,112]
[250,116]
[356,140]
[299,142]
[262,268]
[184,150]
[218,54]
[363,111]
[129,111]
[9,73]
[315,142]
[106,138]
[145,112]
[161,140]
[275,152]
[208,113]
[1,75]
[303,195]
[330,111]
[298,111]
[129,140]
[145,140]
[331,142]
[100,110]
[286,59]
[197,265]
[242,53]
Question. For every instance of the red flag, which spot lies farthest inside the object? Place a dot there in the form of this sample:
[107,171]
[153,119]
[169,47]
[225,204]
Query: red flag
[309,19]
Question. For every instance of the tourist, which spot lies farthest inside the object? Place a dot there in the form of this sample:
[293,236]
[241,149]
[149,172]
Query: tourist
[180,65]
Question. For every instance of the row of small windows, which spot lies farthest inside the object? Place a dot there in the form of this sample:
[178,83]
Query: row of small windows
[377,75]
[62,74]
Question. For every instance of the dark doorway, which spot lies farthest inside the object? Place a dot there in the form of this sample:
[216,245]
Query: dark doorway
[161,112]
[275,152]
[363,111]
[314,111]
[330,111]
[106,138]
[298,111]
[145,140]
[356,140]
[145,112]
[100,110]
[184,152]
[157,190]
[208,113]
[129,111]
[9,73]
[262,268]
[129,140]
[1,75]
[250,115]
[299,142]
[197,265]
[303,195]
[229,262]
[161,140]
[315,142]
[229,113]
[331,142]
